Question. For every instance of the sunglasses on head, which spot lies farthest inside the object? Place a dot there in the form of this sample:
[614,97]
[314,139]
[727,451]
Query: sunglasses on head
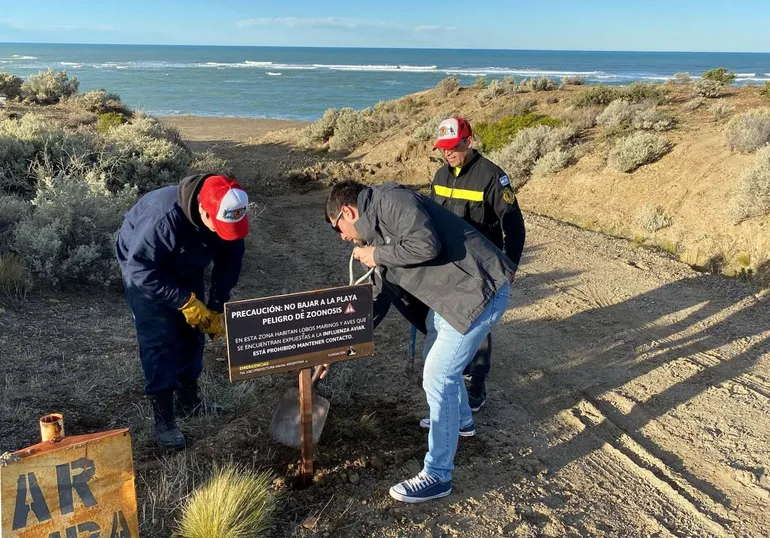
[336,222]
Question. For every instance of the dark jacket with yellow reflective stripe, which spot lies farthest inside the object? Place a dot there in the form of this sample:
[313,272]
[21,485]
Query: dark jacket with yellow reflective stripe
[482,195]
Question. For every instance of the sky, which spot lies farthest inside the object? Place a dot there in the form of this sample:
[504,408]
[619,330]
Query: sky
[673,25]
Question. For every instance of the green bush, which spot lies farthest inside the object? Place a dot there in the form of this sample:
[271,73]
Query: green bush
[68,236]
[494,90]
[765,90]
[599,95]
[100,102]
[749,131]
[710,89]
[529,145]
[538,84]
[639,92]
[109,119]
[10,86]
[448,86]
[493,136]
[48,87]
[720,75]
[234,503]
[480,83]
[633,151]
[752,197]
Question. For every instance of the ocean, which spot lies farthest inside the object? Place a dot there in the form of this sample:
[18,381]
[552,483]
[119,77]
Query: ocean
[300,83]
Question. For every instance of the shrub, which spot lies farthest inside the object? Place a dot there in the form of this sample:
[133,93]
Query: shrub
[573,81]
[12,210]
[10,86]
[639,92]
[480,83]
[749,131]
[47,87]
[680,78]
[538,84]
[765,90]
[323,129]
[350,130]
[15,281]
[145,154]
[694,104]
[599,95]
[652,218]
[633,151]
[493,136]
[552,162]
[448,86]
[493,91]
[651,119]
[530,144]
[721,110]
[207,162]
[107,120]
[582,118]
[100,102]
[68,236]
[234,503]
[720,75]
[752,197]
[618,113]
[708,88]
[428,129]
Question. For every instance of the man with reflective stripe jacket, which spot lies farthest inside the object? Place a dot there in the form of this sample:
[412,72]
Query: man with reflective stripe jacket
[479,191]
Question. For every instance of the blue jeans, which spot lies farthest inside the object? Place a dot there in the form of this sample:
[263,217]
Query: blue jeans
[447,353]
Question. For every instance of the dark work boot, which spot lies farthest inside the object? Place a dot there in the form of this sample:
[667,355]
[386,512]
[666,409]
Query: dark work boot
[191,405]
[477,393]
[165,430]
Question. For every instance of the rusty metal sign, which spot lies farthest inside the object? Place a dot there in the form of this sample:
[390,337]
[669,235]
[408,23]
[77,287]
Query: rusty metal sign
[80,487]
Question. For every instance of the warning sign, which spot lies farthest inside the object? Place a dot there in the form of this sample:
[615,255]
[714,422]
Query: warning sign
[81,487]
[292,332]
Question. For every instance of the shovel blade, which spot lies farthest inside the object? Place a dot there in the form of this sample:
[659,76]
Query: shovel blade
[286,428]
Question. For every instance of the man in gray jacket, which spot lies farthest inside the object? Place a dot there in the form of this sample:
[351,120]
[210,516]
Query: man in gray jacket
[446,278]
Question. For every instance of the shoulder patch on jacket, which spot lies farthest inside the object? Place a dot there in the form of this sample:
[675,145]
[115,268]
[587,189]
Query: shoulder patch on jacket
[504,181]
[508,195]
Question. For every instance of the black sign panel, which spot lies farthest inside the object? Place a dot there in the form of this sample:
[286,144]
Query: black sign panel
[291,332]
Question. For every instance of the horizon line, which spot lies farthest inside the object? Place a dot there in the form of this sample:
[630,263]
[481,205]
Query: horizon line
[383,48]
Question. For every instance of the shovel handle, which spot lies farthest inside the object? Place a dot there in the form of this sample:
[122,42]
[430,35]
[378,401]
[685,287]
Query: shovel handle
[317,371]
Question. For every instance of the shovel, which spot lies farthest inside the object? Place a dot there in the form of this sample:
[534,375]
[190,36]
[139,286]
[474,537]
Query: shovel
[286,427]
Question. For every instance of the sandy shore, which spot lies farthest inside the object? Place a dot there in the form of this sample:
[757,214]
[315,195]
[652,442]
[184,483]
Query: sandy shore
[204,128]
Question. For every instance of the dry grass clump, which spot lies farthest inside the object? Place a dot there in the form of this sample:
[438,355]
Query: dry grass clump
[552,162]
[752,197]
[234,503]
[599,95]
[494,90]
[721,110]
[573,81]
[652,218]
[15,280]
[694,104]
[651,119]
[581,118]
[680,78]
[619,113]
[638,149]
[749,131]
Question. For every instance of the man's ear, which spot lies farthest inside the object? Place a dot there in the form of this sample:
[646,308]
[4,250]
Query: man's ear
[470,142]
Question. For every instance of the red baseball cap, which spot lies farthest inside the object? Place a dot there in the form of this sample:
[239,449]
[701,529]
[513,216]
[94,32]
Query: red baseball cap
[227,204]
[451,131]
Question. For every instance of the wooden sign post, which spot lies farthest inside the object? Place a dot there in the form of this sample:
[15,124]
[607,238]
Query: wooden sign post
[296,332]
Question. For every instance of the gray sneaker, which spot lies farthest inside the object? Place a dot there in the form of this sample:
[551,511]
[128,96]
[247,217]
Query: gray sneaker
[465,431]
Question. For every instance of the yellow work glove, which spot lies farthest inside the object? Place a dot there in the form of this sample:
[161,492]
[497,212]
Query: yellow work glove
[196,313]
[216,326]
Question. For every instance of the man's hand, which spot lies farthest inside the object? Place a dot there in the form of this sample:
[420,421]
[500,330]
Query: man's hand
[512,278]
[323,369]
[196,313]
[365,255]
[216,325]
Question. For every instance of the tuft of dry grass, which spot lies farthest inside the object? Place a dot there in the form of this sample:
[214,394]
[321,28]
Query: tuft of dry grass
[234,503]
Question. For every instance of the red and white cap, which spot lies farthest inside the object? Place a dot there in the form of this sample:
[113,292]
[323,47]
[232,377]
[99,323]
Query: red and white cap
[227,204]
[451,131]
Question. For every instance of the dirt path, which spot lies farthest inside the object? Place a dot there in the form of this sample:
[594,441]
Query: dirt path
[630,396]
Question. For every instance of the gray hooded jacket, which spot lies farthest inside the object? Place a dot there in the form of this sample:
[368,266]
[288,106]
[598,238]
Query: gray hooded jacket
[429,252]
